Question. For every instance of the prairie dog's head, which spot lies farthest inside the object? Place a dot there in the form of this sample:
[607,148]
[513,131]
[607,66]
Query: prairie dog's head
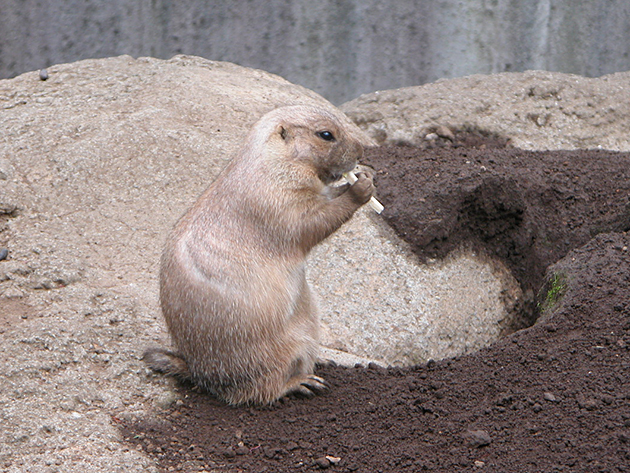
[302,137]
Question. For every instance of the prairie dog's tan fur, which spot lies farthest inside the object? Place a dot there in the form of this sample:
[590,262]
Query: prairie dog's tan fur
[232,282]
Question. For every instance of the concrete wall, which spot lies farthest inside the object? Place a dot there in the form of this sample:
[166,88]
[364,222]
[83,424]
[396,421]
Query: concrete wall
[340,49]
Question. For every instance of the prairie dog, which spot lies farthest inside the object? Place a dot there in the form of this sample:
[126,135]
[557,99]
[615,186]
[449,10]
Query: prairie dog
[232,282]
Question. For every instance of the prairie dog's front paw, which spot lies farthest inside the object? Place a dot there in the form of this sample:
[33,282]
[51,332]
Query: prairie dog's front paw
[363,189]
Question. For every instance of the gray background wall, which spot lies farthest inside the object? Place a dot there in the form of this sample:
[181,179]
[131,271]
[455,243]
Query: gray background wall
[340,49]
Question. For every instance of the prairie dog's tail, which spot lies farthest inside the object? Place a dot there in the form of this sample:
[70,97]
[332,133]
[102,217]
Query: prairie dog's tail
[168,363]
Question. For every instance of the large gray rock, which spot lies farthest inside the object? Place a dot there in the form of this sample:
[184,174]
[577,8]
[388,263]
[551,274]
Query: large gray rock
[378,302]
[536,110]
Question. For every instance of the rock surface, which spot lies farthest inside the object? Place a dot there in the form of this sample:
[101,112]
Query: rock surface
[378,302]
[536,110]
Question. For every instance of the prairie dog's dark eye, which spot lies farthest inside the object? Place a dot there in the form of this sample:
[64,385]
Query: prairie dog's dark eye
[326,135]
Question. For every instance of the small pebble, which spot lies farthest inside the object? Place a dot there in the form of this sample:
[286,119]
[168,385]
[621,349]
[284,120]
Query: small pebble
[43,74]
[445,133]
[477,438]
[323,462]
[229,453]
[589,404]
[242,450]
[333,460]
[549,397]
[3,253]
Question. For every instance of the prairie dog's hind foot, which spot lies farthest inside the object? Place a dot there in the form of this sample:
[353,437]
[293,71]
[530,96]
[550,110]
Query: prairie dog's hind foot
[168,363]
[307,385]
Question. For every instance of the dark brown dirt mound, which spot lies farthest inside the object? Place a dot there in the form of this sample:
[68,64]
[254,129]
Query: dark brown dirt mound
[527,208]
[552,397]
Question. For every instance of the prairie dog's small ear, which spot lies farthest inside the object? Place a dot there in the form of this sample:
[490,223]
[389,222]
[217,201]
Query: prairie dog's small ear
[283,133]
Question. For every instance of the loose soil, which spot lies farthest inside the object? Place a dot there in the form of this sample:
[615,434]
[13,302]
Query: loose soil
[553,396]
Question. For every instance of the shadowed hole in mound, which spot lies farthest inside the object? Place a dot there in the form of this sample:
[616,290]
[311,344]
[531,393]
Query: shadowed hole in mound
[526,208]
